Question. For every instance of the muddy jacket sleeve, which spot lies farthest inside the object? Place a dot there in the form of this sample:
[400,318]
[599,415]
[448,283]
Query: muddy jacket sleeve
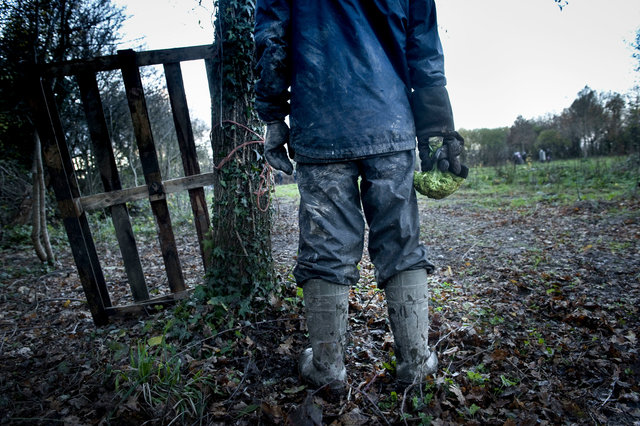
[430,103]
[424,49]
[272,38]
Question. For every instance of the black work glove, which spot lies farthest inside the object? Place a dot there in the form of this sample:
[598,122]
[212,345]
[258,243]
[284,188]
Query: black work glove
[446,157]
[274,146]
[433,116]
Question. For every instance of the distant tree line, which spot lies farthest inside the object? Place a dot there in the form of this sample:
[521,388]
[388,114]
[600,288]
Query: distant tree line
[594,124]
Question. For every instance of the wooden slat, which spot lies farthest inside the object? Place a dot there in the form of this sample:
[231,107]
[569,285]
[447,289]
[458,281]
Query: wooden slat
[212,81]
[184,132]
[150,167]
[103,150]
[112,62]
[180,54]
[148,306]
[59,134]
[108,199]
[73,206]
[57,160]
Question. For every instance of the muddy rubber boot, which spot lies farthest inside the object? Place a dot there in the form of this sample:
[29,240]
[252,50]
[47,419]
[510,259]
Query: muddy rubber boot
[408,306]
[326,308]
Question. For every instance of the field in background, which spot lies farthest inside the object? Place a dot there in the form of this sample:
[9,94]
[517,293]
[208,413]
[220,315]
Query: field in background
[560,182]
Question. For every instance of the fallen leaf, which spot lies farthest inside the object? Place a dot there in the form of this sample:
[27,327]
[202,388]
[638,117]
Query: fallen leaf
[154,341]
[307,414]
[455,388]
[354,418]
[295,389]
[274,412]
[285,347]
[631,337]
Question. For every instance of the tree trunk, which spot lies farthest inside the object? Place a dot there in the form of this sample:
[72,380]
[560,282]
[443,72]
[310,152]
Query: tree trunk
[242,263]
[132,164]
[35,203]
[39,232]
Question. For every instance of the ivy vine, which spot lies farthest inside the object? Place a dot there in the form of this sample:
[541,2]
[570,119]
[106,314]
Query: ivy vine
[242,274]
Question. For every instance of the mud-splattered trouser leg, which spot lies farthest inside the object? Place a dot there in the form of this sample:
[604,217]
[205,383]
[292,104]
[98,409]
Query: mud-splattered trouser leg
[332,223]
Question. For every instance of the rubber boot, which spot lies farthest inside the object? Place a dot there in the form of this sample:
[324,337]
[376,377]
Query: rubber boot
[326,308]
[408,306]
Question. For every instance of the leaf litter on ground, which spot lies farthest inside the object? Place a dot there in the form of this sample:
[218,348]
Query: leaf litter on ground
[534,314]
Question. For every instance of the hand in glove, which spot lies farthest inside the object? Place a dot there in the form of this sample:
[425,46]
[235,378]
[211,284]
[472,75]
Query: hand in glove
[433,117]
[447,156]
[274,146]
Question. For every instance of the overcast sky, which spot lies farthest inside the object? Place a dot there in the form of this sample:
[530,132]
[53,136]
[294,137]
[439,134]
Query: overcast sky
[503,58]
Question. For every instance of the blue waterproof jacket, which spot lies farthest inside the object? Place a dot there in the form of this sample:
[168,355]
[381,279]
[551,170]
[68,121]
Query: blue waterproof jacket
[344,70]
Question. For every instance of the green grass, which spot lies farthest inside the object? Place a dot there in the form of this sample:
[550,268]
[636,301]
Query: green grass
[559,182]
[287,191]
[156,378]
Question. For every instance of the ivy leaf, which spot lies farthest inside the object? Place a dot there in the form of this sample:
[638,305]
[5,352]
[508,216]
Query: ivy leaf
[155,341]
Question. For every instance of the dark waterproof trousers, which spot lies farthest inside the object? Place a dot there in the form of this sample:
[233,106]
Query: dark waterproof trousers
[332,202]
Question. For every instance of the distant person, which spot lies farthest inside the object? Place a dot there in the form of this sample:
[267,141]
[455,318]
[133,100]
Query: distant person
[542,156]
[359,80]
[517,158]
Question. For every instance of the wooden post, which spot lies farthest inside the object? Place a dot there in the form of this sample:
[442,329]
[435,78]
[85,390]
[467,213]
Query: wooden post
[150,167]
[56,157]
[182,121]
[111,181]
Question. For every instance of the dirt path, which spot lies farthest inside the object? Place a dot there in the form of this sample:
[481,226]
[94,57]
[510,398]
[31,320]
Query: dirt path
[534,312]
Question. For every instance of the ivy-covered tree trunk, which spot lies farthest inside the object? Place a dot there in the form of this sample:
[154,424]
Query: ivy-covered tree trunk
[242,264]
